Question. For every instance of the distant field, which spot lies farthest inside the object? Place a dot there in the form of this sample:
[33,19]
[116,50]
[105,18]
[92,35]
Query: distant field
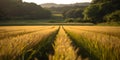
[39,22]
[48,24]
[31,21]
[59,42]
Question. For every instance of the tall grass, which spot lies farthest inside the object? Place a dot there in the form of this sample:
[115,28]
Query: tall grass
[99,45]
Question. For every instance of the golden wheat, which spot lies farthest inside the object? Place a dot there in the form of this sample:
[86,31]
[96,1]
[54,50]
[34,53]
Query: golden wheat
[63,48]
[8,32]
[108,30]
[12,47]
[104,46]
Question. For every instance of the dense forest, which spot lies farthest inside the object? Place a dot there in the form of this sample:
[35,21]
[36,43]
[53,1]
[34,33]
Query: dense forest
[16,9]
[99,11]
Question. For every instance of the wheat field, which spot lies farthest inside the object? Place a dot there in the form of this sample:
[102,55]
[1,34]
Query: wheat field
[59,43]
[63,47]
[101,43]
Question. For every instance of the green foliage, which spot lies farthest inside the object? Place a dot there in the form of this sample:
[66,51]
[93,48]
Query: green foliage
[107,8]
[91,13]
[96,12]
[113,17]
[69,20]
[74,15]
[75,20]
[79,20]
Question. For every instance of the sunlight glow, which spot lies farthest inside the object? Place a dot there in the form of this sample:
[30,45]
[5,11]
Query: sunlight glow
[57,1]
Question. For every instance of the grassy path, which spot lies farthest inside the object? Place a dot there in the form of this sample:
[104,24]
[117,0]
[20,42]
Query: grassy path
[63,48]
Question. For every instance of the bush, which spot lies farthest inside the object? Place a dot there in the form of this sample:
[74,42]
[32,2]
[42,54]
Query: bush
[79,20]
[69,20]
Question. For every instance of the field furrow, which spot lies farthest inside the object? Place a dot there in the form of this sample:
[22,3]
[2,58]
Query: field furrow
[63,48]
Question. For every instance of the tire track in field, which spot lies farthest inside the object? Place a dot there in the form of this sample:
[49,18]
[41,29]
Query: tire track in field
[63,48]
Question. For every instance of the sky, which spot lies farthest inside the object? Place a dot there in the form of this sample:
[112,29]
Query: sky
[57,1]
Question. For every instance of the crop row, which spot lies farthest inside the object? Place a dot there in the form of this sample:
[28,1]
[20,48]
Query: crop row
[22,47]
[97,46]
[14,33]
[113,31]
[60,43]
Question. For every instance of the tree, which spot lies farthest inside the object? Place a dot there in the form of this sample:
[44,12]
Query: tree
[99,8]
[91,13]
[74,13]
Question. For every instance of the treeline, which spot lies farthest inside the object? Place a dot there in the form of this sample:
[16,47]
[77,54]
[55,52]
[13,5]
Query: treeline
[16,9]
[98,11]
[60,8]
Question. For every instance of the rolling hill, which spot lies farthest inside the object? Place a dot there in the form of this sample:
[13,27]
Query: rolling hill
[49,5]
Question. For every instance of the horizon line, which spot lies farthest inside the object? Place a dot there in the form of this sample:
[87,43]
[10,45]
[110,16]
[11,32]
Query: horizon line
[56,3]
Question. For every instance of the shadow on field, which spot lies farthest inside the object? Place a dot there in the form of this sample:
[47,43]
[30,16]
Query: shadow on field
[83,52]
